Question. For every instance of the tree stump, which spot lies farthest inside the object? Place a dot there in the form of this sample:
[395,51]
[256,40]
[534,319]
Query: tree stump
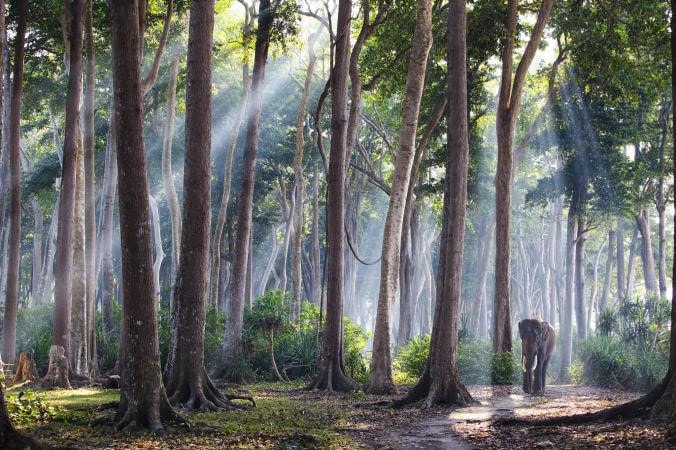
[57,373]
[25,369]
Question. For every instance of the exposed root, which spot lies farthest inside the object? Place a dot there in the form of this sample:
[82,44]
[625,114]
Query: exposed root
[448,391]
[198,394]
[332,379]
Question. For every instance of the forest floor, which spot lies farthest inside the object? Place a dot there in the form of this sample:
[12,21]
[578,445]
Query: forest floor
[288,417]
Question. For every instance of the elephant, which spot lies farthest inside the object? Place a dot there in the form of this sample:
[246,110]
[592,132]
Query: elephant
[537,345]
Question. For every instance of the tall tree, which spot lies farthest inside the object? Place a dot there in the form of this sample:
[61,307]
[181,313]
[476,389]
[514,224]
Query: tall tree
[380,380]
[63,287]
[14,128]
[234,322]
[143,400]
[440,383]
[509,103]
[332,375]
[90,187]
[187,382]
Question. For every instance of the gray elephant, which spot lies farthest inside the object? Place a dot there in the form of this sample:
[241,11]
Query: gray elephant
[537,345]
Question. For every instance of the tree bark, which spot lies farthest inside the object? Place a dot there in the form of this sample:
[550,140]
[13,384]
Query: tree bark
[106,229]
[63,273]
[78,313]
[567,310]
[661,203]
[647,255]
[168,174]
[621,286]
[380,381]
[13,250]
[299,215]
[509,103]
[233,326]
[157,243]
[631,264]
[188,384]
[580,311]
[440,383]
[90,188]
[603,301]
[316,250]
[332,375]
[38,231]
[143,400]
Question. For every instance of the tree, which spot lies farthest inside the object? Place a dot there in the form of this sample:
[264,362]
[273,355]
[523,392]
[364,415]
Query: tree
[332,375]
[233,326]
[63,280]
[509,102]
[143,400]
[187,382]
[440,383]
[14,127]
[90,188]
[380,380]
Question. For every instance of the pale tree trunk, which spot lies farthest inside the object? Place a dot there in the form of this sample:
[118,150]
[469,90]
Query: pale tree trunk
[143,401]
[332,375]
[262,287]
[47,274]
[38,231]
[440,383]
[157,242]
[661,203]
[580,318]
[14,242]
[90,189]
[546,275]
[647,255]
[558,264]
[234,322]
[593,297]
[631,264]
[316,251]
[299,214]
[78,313]
[621,284]
[603,300]
[288,213]
[380,380]
[168,174]
[567,307]
[106,230]
[217,240]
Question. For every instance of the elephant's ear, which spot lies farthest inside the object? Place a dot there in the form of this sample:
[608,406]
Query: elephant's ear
[522,328]
[544,330]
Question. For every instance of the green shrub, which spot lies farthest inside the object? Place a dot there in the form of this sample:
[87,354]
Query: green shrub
[28,409]
[475,362]
[354,342]
[108,342]
[607,361]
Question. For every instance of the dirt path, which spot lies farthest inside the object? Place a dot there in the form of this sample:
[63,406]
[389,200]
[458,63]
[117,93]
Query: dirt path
[469,428]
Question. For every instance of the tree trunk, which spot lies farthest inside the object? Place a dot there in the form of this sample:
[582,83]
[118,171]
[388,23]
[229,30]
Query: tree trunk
[25,369]
[593,297]
[78,313]
[157,243]
[168,175]
[106,229]
[603,301]
[288,213]
[559,262]
[332,375]
[316,251]
[580,310]
[299,215]
[13,250]
[440,383]
[188,384]
[661,203]
[143,401]
[227,181]
[631,264]
[263,285]
[621,284]
[647,255]
[380,381]
[233,326]
[63,280]
[90,189]
[38,231]
[508,111]
[567,310]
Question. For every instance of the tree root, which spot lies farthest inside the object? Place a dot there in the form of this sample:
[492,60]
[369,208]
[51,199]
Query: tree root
[332,379]
[449,391]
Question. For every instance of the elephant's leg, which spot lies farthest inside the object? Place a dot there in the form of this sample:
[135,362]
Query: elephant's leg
[544,373]
[539,381]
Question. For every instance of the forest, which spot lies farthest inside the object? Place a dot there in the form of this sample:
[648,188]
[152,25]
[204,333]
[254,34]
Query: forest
[300,224]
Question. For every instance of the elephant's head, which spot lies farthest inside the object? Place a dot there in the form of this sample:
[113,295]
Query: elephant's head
[531,332]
